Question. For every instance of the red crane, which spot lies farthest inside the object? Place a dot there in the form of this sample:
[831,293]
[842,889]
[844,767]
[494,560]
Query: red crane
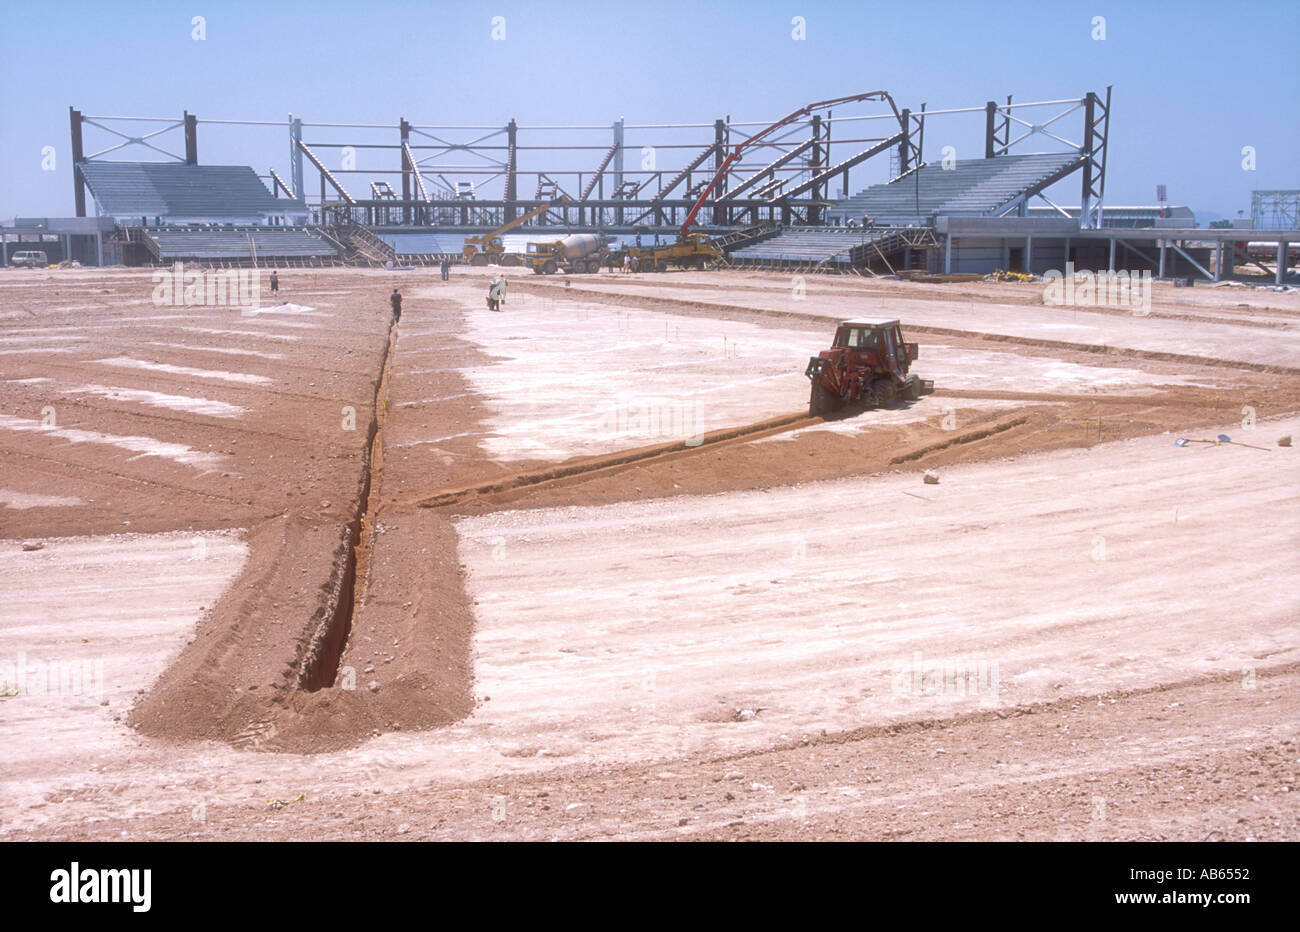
[735,154]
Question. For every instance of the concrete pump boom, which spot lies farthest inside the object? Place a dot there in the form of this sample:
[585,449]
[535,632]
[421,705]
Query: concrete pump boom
[735,154]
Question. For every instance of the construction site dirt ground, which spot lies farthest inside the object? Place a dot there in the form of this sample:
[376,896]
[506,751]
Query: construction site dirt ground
[584,569]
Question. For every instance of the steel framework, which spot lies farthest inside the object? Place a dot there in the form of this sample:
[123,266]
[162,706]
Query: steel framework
[1275,210]
[469,177]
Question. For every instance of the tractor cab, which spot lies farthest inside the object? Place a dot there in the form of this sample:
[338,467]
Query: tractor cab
[868,360]
[858,335]
[881,337]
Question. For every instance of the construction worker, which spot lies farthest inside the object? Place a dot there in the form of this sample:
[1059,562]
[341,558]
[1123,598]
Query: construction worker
[445,267]
[395,299]
[496,293]
[275,282]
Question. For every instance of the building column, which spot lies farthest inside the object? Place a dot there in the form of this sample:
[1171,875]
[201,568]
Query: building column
[1282,248]
[78,181]
[947,254]
[1218,260]
[1163,243]
[1111,265]
[295,161]
[618,166]
[191,138]
[404,139]
[1029,254]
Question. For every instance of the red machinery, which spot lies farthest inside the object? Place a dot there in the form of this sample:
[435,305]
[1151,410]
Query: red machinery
[867,362]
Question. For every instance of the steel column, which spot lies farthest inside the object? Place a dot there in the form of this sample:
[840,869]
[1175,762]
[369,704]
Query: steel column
[719,155]
[511,192]
[904,151]
[191,139]
[1085,202]
[295,160]
[404,132]
[618,166]
[818,188]
[78,181]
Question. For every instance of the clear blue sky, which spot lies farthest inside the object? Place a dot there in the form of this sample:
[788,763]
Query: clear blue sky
[1194,82]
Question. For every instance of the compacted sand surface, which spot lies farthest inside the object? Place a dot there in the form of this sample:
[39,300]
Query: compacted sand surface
[299,572]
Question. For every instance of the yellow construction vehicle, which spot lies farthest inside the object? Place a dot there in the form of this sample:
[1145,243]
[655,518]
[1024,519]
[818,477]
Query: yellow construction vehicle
[574,254]
[692,251]
[488,249]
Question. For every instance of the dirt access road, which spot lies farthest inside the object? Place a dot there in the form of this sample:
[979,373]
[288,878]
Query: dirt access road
[1081,632]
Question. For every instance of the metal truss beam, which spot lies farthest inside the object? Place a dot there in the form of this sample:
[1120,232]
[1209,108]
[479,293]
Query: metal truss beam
[1096,130]
[419,178]
[770,169]
[691,166]
[326,174]
[599,173]
[848,163]
[277,183]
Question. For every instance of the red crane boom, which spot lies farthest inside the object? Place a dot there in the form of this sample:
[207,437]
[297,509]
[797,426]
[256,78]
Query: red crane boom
[735,154]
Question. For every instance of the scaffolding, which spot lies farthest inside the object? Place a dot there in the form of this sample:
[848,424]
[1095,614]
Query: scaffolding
[1275,210]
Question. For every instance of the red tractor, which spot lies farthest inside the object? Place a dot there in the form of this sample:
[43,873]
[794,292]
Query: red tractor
[868,362]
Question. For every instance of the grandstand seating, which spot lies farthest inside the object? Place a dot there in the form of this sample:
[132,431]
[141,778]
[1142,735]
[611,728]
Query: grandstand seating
[240,242]
[131,190]
[972,188]
[802,244]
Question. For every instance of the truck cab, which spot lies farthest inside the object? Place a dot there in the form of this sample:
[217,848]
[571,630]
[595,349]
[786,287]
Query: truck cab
[543,258]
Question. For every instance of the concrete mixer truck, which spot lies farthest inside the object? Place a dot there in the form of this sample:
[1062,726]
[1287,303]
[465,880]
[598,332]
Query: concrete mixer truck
[579,252]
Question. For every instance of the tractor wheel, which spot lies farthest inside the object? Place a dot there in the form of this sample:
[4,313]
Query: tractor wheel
[479,260]
[822,402]
[885,392]
[550,267]
[912,389]
[661,265]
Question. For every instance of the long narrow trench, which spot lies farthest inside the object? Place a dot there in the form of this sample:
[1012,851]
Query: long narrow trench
[612,462]
[320,666]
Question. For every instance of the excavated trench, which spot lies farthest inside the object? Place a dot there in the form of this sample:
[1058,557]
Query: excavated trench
[612,462]
[318,664]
